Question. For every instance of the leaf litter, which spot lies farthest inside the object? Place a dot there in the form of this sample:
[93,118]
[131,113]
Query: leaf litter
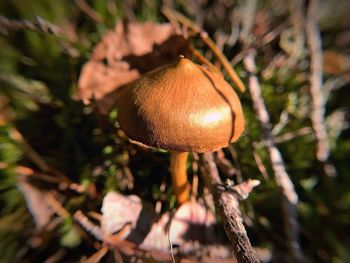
[191,229]
[131,227]
[33,196]
[122,56]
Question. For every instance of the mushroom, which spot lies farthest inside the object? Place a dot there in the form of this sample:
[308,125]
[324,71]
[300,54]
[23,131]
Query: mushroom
[181,107]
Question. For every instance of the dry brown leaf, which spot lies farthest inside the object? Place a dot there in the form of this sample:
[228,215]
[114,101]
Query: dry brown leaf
[193,221]
[97,80]
[336,63]
[132,38]
[192,231]
[119,210]
[157,238]
[122,55]
[36,202]
[191,228]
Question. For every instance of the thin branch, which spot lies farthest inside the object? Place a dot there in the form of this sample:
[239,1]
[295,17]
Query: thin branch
[272,35]
[318,101]
[243,189]
[293,134]
[40,25]
[195,177]
[174,15]
[40,162]
[97,256]
[225,166]
[57,256]
[288,136]
[116,241]
[289,196]
[247,12]
[225,63]
[88,225]
[198,55]
[56,205]
[227,205]
[237,165]
[83,6]
[261,42]
[259,162]
[297,18]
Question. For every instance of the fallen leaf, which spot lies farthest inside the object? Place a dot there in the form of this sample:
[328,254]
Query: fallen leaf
[336,63]
[97,80]
[122,55]
[36,202]
[131,39]
[191,233]
[157,238]
[119,210]
[191,229]
[193,221]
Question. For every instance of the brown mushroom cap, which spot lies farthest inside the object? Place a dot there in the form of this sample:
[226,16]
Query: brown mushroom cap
[181,107]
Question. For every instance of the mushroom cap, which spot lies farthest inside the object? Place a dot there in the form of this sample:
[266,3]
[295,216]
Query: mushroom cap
[181,107]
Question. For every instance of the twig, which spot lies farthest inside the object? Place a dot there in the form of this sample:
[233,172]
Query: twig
[318,101]
[288,136]
[293,134]
[56,206]
[96,216]
[29,151]
[271,35]
[289,196]
[236,163]
[89,11]
[172,19]
[243,189]
[170,243]
[203,59]
[117,240]
[57,256]
[174,15]
[297,14]
[43,26]
[283,121]
[227,205]
[63,185]
[37,159]
[259,162]
[39,24]
[97,256]
[225,63]
[224,165]
[88,225]
[247,12]
[195,177]
[263,41]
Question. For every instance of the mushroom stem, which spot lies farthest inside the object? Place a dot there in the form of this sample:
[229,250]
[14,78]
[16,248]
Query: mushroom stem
[178,172]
